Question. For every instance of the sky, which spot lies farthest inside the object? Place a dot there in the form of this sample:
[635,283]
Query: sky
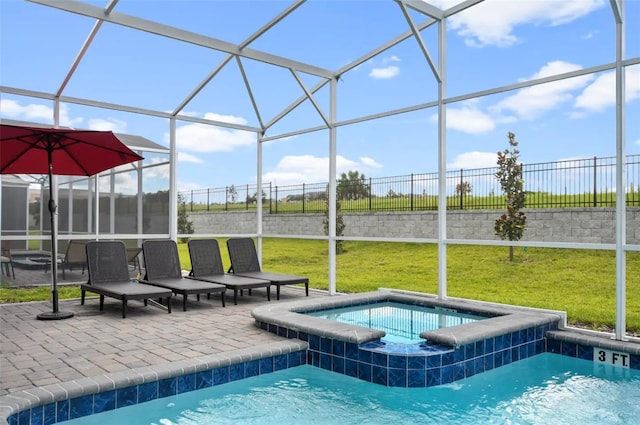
[494,44]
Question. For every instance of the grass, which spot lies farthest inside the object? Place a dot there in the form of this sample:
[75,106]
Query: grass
[580,282]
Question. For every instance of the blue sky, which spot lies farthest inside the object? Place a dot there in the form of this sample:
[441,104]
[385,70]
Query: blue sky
[496,43]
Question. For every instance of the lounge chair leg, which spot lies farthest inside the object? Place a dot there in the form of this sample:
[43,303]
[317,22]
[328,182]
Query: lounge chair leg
[222,296]
[277,292]
[306,288]
[169,305]
[82,294]
[198,297]
[124,308]
[235,297]
[184,302]
[101,302]
[268,293]
[146,302]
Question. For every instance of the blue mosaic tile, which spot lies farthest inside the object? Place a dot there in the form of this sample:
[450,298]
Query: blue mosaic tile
[480,351]
[204,379]
[263,325]
[523,352]
[517,337]
[80,406]
[379,375]
[252,368]
[364,356]
[380,359]
[501,342]
[325,345]
[37,415]
[236,372]
[488,361]
[221,375]
[167,387]
[433,377]
[469,351]
[568,349]
[273,328]
[104,401]
[489,345]
[62,410]
[314,342]
[506,357]
[458,354]
[446,374]
[397,378]
[265,365]
[416,362]
[338,364]
[539,346]
[337,348]
[291,334]
[13,419]
[294,359]
[49,414]
[531,334]
[398,362]
[351,351]
[553,346]
[24,417]
[280,362]
[303,336]
[635,362]
[469,367]
[186,383]
[325,361]
[478,364]
[498,359]
[434,360]
[147,391]
[351,368]
[314,358]
[282,331]
[416,378]
[364,371]
[458,371]
[447,358]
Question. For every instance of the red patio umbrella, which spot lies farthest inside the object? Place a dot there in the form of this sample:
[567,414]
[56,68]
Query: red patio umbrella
[34,150]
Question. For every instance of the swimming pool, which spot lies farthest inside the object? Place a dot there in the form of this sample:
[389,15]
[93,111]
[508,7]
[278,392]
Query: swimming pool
[544,389]
[402,323]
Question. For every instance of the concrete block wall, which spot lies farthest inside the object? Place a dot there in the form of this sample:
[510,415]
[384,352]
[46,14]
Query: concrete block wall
[583,225]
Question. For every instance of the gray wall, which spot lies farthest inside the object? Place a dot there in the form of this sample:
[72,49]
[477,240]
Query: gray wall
[585,225]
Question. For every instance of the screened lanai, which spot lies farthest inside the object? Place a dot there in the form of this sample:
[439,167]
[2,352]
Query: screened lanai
[288,90]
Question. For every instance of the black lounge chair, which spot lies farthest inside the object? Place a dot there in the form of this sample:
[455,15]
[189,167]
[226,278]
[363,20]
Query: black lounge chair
[244,262]
[163,269]
[109,276]
[206,265]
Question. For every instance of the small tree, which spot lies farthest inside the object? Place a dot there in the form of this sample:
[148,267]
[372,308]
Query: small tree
[232,194]
[340,226]
[511,225]
[185,226]
[463,188]
[352,186]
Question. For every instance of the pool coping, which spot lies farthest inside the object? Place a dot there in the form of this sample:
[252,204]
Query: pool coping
[507,318]
[21,401]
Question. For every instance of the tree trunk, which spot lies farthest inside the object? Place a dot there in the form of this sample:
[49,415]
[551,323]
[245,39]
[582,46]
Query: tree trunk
[511,253]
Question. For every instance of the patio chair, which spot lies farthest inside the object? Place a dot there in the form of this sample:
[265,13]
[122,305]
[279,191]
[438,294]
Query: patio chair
[75,256]
[6,260]
[109,276]
[244,262]
[163,269]
[206,265]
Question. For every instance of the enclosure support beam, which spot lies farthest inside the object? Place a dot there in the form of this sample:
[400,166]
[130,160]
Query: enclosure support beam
[332,185]
[621,176]
[173,177]
[259,195]
[442,163]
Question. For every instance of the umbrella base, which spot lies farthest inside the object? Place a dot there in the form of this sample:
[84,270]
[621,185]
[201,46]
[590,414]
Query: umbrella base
[55,315]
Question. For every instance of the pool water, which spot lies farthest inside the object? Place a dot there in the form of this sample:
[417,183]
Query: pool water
[402,323]
[544,389]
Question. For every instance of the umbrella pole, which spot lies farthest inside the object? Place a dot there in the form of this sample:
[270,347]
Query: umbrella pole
[56,314]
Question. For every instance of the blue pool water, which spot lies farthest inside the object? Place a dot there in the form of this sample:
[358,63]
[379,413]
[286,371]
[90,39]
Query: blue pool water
[544,389]
[402,323]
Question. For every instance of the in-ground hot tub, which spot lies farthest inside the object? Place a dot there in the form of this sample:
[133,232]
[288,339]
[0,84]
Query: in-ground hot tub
[504,335]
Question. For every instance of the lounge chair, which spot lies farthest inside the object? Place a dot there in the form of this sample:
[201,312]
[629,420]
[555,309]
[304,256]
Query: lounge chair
[206,265]
[75,256]
[244,262]
[162,265]
[109,276]
[6,260]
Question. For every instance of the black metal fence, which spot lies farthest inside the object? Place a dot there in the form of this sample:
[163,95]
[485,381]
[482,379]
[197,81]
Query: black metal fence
[572,183]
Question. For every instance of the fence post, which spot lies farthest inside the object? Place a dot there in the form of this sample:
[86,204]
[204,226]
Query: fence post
[370,194]
[208,201]
[595,180]
[276,199]
[246,199]
[461,189]
[191,200]
[271,199]
[226,198]
[411,192]
[303,187]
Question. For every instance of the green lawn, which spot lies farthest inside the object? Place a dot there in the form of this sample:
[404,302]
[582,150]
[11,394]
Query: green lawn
[581,282]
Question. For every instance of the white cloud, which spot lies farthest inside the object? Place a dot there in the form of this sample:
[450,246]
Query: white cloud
[38,113]
[207,138]
[468,119]
[601,93]
[109,124]
[187,157]
[493,22]
[392,58]
[470,160]
[638,142]
[531,102]
[312,169]
[384,73]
